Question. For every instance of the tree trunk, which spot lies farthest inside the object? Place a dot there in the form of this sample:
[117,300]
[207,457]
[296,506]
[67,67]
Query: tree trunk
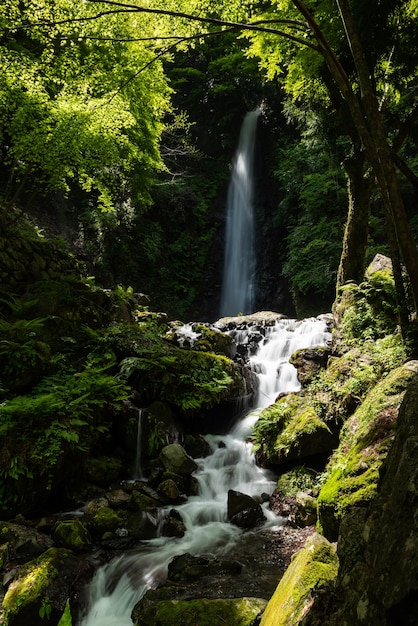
[379,154]
[368,120]
[353,256]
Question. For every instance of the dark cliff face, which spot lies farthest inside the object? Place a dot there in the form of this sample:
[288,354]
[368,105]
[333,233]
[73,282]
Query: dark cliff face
[377,583]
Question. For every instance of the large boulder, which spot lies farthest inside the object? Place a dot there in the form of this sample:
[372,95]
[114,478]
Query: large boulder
[175,459]
[72,534]
[189,567]
[377,583]
[309,361]
[39,592]
[205,612]
[311,569]
[292,430]
[243,510]
[352,474]
[21,541]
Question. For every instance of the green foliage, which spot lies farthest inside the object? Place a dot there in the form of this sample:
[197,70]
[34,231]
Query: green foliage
[45,608]
[311,211]
[73,108]
[21,348]
[369,309]
[64,414]
[314,250]
[66,619]
[157,438]
[189,380]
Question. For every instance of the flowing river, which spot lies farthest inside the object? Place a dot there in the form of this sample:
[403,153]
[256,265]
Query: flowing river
[117,586]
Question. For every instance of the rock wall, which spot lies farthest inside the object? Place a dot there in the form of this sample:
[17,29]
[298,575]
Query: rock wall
[377,582]
[25,260]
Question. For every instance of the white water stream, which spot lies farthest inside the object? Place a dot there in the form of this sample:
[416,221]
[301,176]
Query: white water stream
[117,586]
[239,265]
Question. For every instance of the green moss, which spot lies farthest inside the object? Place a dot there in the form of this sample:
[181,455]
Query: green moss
[236,611]
[311,568]
[367,310]
[283,426]
[353,470]
[272,421]
[220,343]
[297,479]
[141,502]
[106,520]
[340,388]
[32,584]
[303,423]
[72,534]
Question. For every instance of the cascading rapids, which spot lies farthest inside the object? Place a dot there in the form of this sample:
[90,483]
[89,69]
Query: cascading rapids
[117,586]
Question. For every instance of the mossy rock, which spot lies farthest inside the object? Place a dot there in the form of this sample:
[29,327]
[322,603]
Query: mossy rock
[205,612]
[28,598]
[309,361]
[176,460]
[142,502]
[305,435]
[23,542]
[353,470]
[313,567]
[218,342]
[299,478]
[72,534]
[106,520]
[291,430]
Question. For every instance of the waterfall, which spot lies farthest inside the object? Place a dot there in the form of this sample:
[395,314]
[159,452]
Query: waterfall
[121,583]
[239,261]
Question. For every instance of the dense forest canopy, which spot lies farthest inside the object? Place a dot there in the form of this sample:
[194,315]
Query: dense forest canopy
[127,106]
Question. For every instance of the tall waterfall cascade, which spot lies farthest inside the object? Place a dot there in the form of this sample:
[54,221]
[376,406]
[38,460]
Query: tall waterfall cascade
[119,585]
[239,263]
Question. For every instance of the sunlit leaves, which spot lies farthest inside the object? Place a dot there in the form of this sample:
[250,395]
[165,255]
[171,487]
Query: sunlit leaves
[75,107]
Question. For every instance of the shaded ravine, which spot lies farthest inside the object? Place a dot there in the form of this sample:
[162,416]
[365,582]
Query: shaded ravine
[117,586]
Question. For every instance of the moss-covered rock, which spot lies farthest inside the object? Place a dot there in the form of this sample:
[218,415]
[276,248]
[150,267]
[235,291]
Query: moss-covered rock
[30,598]
[168,489]
[218,342]
[305,509]
[106,520]
[299,478]
[353,471]
[291,429]
[377,583]
[176,460]
[142,502]
[234,611]
[309,361]
[23,542]
[313,567]
[72,534]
